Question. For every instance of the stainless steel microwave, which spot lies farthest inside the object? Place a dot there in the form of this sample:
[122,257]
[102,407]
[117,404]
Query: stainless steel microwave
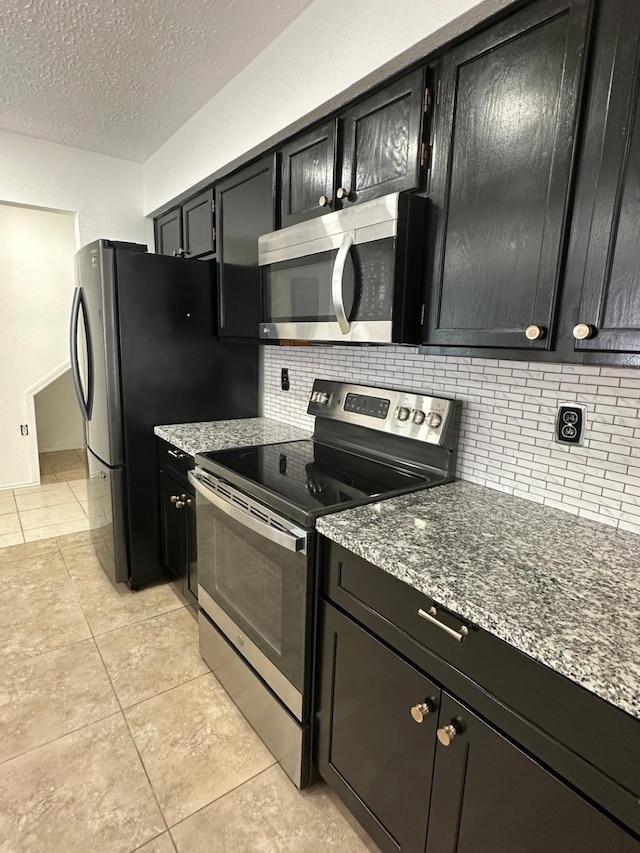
[351,276]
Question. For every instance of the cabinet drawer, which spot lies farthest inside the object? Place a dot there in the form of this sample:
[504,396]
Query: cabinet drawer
[580,724]
[175,461]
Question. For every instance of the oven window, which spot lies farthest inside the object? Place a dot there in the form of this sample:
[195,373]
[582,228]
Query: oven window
[300,290]
[260,585]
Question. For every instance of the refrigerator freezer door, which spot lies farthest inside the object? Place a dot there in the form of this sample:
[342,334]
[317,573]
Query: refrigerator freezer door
[96,277]
[106,510]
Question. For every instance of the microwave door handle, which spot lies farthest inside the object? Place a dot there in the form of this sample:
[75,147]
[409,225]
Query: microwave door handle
[337,294]
[287,540]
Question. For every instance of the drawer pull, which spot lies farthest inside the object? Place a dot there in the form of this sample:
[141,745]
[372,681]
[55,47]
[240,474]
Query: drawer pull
[177,454]
[457,635]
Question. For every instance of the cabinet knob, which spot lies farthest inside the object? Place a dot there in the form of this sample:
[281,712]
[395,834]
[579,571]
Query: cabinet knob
[583,331]
[174,499]
[446,734]
[182,503]
[343,194]
[534,333]
[422,710]
[324,200]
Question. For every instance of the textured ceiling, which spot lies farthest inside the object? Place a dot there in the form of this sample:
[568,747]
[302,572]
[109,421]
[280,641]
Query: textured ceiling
[120,76]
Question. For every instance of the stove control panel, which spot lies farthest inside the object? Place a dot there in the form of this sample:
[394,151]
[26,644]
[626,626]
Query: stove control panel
[403,413]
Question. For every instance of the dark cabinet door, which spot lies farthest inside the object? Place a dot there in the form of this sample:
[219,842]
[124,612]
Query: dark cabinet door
[382,135]
[308,174]
[489,796]
[173,527]
[606,236]
[169,232]
[504,142]
[190,583]
[370,748]
[245,209]
[197,225]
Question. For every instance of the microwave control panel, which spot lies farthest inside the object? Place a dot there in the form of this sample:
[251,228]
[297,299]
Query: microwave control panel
[408,414]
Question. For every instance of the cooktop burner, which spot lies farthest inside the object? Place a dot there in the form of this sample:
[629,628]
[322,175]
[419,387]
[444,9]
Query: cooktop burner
[310,475]
[368,444]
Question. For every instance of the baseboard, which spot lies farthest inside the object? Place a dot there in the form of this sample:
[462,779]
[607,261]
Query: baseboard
[58,448]
[19,485]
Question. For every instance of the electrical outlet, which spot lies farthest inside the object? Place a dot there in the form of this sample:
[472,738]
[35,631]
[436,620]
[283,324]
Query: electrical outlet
[24,429]
[284,379]
[570,423]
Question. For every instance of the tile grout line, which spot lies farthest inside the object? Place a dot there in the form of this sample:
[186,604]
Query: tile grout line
[146,772]
[226,794]
[60,737]
[126,708]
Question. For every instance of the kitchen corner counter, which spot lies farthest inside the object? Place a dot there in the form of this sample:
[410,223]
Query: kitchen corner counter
[562,589]
[222,435]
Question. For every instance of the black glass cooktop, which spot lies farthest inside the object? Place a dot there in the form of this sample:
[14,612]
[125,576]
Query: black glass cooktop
[306,478]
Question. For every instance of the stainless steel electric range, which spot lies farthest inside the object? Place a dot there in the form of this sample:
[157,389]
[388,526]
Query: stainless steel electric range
[256,509]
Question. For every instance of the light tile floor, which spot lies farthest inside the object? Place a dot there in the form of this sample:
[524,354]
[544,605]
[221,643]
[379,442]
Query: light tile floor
[114,735]
[56,507]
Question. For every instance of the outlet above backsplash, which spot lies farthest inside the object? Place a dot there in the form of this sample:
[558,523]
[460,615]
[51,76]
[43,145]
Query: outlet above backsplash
[508,419]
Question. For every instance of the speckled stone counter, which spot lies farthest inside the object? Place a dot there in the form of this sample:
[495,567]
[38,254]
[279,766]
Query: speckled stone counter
[562,589]
[221,435]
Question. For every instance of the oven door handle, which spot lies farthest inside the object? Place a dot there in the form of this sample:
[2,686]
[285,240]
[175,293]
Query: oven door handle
[286,540]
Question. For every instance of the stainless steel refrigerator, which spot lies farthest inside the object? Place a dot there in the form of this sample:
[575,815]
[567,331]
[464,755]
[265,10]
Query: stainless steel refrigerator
[144,352]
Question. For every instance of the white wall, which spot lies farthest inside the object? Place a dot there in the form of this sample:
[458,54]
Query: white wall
[58,419]
[104,192]
[330,46]
[36,287]
[508,414]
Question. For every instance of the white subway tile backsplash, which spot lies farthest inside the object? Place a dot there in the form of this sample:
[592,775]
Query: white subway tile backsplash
[509,410]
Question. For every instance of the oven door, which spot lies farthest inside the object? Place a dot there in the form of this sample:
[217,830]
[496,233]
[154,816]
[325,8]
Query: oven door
[254,583]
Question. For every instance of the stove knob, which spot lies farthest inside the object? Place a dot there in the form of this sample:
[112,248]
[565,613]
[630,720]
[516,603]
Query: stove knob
[323,398]
[403,413]
[434,420]
[418,417]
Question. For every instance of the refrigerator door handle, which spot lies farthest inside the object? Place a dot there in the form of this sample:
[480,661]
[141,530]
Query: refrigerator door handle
[79,304]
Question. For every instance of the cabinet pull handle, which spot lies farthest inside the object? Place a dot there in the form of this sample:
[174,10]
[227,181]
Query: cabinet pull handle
[422,710]
[177,454]
[534,333]
[457,635]
[583,331]
[446,734]
[343,194]
[324,200]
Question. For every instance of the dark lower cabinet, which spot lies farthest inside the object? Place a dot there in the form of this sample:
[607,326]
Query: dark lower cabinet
[178,529]
[370,748]
[489,796]
[500,184]
[245,209]
[425,771]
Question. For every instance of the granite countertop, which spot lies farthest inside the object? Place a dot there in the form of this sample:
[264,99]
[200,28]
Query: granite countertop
[221,435]
[562,589]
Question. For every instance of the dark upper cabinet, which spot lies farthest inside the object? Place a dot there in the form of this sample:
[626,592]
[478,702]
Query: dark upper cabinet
[371,749]
[308,174]
[168,229]
[245,206]
[187,231]
[604,258]
[504,149]
[490,796]
[382,138]
[374,148]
